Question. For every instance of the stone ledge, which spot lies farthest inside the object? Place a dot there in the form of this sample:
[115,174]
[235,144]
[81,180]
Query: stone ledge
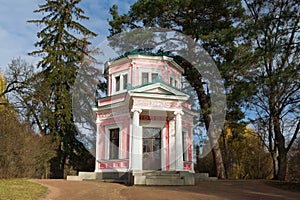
[74,178]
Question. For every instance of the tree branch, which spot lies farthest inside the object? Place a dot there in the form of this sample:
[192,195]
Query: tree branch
[294,136]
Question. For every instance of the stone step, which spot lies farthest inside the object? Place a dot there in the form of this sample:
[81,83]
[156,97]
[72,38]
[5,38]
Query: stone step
[204,177]
[87,175]
[74,178]
[212,178]
[163,181]
[201,175]
[161,173]
[175,176]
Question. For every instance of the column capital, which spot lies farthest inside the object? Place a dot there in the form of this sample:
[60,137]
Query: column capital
[179,112]
[98,121]
[136,110]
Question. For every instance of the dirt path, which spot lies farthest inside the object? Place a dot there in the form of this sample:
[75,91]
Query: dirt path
[90,190]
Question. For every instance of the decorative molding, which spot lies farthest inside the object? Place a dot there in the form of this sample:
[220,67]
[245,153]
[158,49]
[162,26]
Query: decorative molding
[157,103]
[187,166]
[113,164]
[155,118]
[179,112]
[136,110]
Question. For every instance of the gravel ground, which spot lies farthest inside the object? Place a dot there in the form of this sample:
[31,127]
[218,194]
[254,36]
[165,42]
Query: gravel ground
[89,190]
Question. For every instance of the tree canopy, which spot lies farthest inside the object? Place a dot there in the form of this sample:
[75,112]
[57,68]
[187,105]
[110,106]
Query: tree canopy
[62,46]
[273,30]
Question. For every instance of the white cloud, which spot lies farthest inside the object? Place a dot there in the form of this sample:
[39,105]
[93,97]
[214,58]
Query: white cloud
[17,37]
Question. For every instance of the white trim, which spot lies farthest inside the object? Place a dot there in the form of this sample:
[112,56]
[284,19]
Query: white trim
[172,145]
[174,78]
[129,58]
[191,134]
[108,127]
[163,149]
[137,145]
[185,139]
[130,144]
[157,124]
[177,93]
[148,70]
[121,75]
[178,140]
[113,170]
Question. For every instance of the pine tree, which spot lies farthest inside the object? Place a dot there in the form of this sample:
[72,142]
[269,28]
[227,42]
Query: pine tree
[62,47]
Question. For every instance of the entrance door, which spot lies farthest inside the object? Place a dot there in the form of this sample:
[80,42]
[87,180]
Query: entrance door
[151,148]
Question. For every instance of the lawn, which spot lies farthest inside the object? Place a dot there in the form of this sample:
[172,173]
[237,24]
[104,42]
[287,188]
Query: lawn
[18,189]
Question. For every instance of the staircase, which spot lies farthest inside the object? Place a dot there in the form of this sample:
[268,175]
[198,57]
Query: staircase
[139,178]
[204,177]
[168,178]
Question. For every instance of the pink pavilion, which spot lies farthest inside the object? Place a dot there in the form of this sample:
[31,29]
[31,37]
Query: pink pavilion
[144,125]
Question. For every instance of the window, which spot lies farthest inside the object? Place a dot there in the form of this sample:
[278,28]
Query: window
[114,143]
[125,81]
[117,83]
[145,78]
[175,83]
[154,76]
[185,146]
[171,81]
[120,82]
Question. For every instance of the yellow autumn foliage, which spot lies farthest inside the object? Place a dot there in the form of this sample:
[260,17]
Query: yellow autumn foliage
[3,83]
[247,156]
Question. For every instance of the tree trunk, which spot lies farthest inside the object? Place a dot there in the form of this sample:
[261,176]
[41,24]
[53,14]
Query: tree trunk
[275,165]
[204,100]
[217,156]
[218,161]
[57,164]
[282,152]
[225,153]
[282,165]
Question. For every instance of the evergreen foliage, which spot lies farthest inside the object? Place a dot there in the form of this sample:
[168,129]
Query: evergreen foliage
[62,47]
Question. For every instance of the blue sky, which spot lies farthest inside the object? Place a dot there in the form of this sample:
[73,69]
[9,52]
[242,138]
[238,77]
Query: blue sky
[17,37]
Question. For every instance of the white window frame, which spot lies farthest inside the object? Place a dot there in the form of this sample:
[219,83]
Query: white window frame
[175,79]
[148,78]
[124,84]
[185,140]
[107,140]
[149,71]
[122,87]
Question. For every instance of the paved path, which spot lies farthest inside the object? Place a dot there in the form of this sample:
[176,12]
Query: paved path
[90,190]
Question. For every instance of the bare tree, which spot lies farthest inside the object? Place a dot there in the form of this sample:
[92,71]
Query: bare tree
[273,30]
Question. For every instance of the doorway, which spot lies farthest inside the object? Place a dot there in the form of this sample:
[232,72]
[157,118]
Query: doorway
[151,148]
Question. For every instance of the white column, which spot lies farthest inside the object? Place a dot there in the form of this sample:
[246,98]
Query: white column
[172,145]
[179,153]
[163,149]
[136,142]
[98,136]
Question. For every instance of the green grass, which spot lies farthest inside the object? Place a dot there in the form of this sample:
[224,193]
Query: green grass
[17,189]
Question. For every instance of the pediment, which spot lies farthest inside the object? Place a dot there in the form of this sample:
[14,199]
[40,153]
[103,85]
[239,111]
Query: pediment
[160,89]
